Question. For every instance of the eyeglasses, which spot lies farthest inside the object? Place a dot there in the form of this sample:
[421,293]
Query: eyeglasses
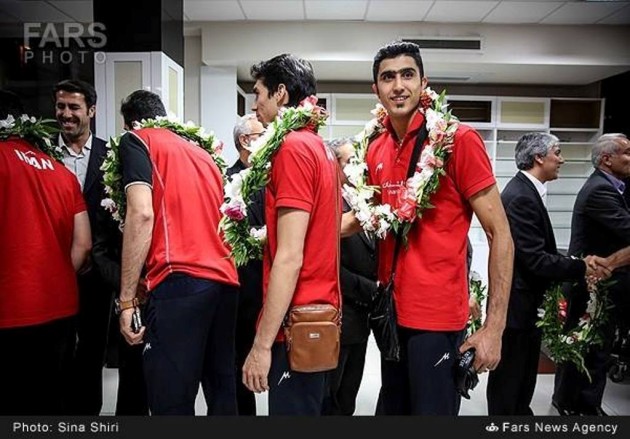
[254,134]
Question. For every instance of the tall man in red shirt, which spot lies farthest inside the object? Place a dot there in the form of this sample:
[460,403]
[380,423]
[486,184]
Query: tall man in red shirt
[174,191]
[302,211]
[45,236]
[431,285]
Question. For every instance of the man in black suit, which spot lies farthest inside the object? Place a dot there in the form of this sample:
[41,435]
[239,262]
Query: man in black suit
[537,264]
[358,285]
[75,107]
[600,226]
[246,130]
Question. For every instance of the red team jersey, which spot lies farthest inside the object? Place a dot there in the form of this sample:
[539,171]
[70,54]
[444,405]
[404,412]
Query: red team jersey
[39,199]
[304,175]
[187,195]
[431,285]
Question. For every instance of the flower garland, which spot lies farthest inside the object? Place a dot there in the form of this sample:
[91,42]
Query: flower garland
[41,132]
[247,242]
[112,175]
[478,292]
[415,196]
[571,346]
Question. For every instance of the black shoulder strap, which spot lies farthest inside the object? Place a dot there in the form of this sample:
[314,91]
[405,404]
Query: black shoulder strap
[415,154]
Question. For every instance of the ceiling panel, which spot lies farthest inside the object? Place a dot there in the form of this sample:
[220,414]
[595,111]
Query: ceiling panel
[335,10]
[521,11]
[214,10]
[273,10]
[621,16]
[460,11]
[34,11]
[79,10]
[397,10]
[582,13]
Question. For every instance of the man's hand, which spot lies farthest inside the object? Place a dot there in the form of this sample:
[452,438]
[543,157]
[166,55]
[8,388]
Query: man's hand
[125,328]
[597,268]
[487,344]
[256,369]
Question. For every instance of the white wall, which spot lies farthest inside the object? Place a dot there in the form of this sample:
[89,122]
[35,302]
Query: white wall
[218,105]
[192,64]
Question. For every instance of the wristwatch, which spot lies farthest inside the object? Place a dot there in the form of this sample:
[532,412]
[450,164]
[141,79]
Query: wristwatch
[121,305]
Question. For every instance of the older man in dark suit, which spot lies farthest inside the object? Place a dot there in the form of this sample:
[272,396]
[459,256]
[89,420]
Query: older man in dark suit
[600,226]
[358,285]
[75,107]
[537,264]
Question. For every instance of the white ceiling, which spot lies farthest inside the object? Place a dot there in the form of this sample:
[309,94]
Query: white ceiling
[606,13]
[443,11]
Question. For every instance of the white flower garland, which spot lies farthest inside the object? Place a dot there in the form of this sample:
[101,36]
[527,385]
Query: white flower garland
[41,132]
[380,219]
[112,176]
[247,242]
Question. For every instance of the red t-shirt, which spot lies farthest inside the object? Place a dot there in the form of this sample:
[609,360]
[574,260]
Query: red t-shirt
[431,285]
[39,198]
[304,176]
[187,195]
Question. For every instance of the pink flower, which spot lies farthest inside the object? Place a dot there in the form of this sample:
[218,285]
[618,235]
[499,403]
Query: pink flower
[309,101]
[218,147]
[406,206]
[562,309]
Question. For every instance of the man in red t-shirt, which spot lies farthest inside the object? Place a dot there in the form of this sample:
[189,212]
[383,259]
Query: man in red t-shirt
[431,285]
[301,263]
[45,236]
[174,192]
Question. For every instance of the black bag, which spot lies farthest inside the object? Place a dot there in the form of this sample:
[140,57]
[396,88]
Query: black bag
[383,322]
[383,319]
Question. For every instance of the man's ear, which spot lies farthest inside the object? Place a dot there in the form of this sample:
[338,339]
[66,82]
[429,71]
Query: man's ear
[539,159]
[425,82]
[92,111]
[375,89]
[282,95]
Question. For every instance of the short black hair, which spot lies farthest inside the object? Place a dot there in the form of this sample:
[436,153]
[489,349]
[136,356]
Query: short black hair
[76,86]
[141,104]
[397,48]
[295,73]
[10,104]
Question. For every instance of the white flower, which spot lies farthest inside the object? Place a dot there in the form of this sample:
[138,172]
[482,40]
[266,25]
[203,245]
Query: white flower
[474,276]
[234,185]
[591,306]
[355,172]
[541,313]
[433,118]
[7,123]
[260,234]
[108,203]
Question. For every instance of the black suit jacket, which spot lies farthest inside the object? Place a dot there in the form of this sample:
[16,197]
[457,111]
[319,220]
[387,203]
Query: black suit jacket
[537,262]
[358,284]
[250,275]
[600,226]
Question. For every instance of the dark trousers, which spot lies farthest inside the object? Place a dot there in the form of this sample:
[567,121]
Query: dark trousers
[131,398]
[95,305]
[189,340]
[294,393]
[511,385]
[422,382]
[249,306]
[34,368]
[345,380]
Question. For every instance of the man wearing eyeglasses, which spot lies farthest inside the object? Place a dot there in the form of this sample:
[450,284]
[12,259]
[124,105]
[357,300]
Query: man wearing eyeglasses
[247,130]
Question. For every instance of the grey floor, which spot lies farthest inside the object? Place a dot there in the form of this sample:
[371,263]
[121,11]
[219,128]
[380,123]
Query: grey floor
[616,397]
